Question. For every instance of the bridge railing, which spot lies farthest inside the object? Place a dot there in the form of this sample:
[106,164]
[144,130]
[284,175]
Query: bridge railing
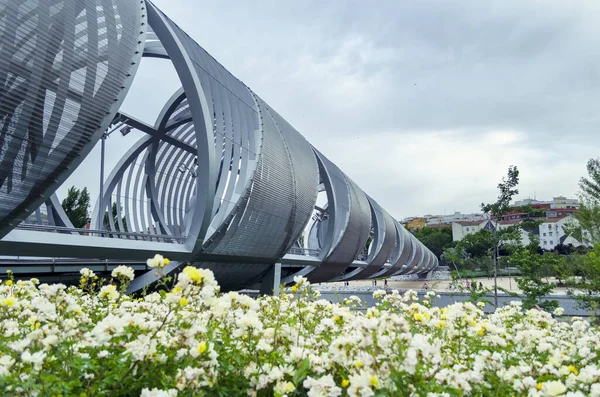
[164,238]
[304,251]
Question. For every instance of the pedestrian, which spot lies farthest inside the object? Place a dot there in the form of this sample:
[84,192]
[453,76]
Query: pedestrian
[425,286]
[481,285]
[385,282]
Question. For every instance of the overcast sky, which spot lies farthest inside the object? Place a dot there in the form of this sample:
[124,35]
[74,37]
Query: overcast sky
[424,104]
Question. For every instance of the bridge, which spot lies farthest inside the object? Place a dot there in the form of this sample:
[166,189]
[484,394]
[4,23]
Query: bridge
[220,179]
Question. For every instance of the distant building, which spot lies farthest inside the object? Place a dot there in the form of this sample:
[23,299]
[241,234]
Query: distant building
[415,223]
[456,217]
[556,203]
[461,229]
[554,232]
[563,202]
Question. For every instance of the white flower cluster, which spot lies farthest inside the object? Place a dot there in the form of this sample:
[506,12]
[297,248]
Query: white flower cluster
[190,339]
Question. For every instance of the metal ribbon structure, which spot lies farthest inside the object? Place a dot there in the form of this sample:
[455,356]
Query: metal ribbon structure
[220,179]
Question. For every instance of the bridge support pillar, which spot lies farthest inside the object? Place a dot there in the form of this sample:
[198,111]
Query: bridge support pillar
[272,280]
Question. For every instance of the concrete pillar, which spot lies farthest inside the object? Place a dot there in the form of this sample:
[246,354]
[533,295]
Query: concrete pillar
[270,283]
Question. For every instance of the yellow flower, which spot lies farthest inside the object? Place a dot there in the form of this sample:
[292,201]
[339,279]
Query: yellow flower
[289,387]
[8,302]
[418,317]
[202,347]
[345,383]
[441,324]
[183,301]
[167,261]
[194,274]
[572,369]
[294,289]
[539,386]
[177,289]
[374,381]
[9,282]
[358,364]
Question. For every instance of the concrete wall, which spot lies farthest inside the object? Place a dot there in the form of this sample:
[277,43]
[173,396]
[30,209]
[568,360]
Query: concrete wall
[447,298]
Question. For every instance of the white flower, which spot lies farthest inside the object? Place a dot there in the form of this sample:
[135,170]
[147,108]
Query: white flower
[37,358]
[360,385]
[157,262]
[109,292]
[554,388]
[322,387]
[559,311]
[300,281]
[87,273]
[5,363]
[158,393]
[123,272]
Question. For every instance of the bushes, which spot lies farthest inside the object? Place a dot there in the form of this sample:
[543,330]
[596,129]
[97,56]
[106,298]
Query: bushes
[191,340]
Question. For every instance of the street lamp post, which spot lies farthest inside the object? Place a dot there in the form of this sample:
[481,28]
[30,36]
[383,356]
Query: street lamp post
[124,131]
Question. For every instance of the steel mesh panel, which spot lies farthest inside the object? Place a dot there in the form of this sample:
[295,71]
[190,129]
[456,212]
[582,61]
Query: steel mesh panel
[411,257]
[405,251]
[384,240]
[358,228]
[281,198]
[418,259]
[305,177]
[64,68]
[234,276]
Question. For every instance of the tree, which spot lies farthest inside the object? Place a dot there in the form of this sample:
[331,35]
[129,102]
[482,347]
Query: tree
[507,190]
[436,239]
[585,274]
[531,264]
[478,244]
[588,214]
[455,256]
[589,282]
[115,219]
[76,206]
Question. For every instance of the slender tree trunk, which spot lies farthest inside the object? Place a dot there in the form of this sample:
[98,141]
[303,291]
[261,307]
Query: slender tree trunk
[496,242]
[496,275]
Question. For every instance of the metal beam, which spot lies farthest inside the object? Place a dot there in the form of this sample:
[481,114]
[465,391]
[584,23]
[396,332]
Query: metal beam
[150,130]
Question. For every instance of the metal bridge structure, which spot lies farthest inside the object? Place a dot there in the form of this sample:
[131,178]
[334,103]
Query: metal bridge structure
[220,180]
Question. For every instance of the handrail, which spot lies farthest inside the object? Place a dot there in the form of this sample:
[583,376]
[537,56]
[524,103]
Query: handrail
[100,233]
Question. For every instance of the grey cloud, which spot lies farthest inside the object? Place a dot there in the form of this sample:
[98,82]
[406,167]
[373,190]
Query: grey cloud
[442,73]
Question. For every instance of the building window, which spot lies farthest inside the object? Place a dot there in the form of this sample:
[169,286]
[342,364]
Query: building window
[550,233]
[544,234]
[549,226]
[545,242]
[467,229]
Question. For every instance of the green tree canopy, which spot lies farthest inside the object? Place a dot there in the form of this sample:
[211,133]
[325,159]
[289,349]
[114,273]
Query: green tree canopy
[76,206]
[436,239]
[115,219]
[531,264]
[588,214]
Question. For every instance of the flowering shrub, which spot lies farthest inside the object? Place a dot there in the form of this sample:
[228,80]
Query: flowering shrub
[192,340]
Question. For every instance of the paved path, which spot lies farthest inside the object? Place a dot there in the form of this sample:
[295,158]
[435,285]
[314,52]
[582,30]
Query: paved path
[439,285]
